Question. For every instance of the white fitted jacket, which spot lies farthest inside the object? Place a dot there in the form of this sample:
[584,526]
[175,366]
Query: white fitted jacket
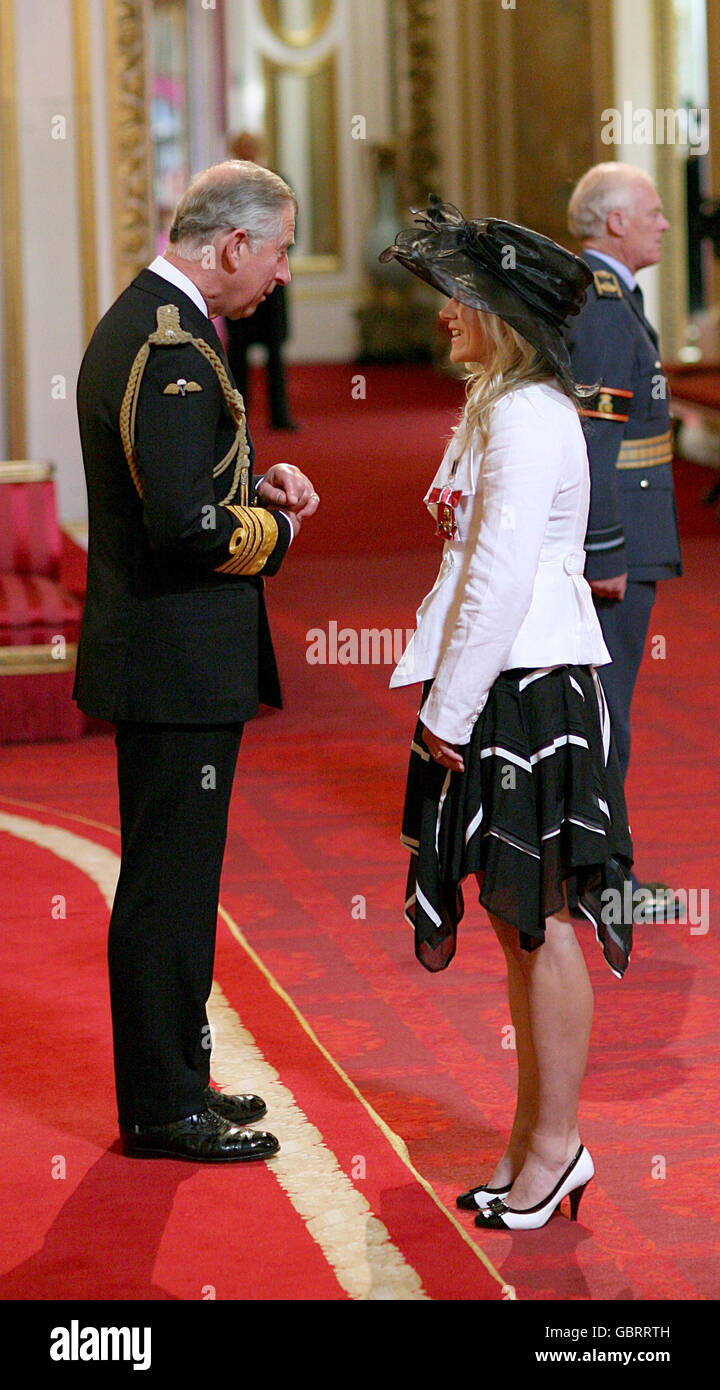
[510,591]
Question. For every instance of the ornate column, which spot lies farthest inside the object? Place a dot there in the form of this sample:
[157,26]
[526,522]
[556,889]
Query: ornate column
[396,321]
[127,39]
[415,23]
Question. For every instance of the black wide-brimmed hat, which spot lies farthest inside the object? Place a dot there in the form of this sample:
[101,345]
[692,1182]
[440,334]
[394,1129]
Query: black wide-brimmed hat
[526,279]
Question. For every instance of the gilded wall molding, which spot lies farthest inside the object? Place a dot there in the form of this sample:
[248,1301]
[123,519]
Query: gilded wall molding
[422,67]
[296,34]
[127,41]
[414,26]
[11,239]
[669,171]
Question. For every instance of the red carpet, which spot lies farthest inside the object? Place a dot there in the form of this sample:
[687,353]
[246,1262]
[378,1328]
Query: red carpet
[368,457]
[100,1226]
[313,878]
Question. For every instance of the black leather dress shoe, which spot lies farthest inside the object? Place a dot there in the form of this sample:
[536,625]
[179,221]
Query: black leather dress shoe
[652,902]
[239,1110]
[658,903]
[202,1138]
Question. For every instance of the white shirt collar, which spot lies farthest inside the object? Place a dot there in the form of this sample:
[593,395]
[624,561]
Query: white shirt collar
[618,266]
[170,272]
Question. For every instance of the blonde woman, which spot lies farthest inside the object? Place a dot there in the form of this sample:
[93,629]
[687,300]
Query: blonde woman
[512,776]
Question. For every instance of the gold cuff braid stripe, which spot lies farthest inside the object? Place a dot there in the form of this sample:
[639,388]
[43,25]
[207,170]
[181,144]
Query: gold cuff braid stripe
[252,540]
[645,453]
[169,333]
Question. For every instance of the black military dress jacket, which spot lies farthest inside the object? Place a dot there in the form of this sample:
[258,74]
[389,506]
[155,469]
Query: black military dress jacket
[632,525]
[174,627]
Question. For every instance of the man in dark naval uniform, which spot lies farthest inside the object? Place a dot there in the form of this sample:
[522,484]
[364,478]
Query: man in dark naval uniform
[632,538]
[175,647]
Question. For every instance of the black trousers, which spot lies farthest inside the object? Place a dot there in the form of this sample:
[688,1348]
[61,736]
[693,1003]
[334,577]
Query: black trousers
[277,390]
[175,783]
[624,627]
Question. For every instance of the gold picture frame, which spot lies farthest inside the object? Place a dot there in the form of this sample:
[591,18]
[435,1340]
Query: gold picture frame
[325,253]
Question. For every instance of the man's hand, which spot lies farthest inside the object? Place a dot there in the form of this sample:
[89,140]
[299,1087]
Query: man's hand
[285,486]
[610,588]
[444,753]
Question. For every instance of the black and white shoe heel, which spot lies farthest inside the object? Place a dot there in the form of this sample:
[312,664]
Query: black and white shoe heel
[497,1216]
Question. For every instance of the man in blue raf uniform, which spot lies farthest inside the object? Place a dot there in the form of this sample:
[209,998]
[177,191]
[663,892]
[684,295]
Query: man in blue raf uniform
[632,538]
[175,648]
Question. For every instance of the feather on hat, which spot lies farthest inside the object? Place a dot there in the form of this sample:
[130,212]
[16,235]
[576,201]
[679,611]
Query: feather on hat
[526,279]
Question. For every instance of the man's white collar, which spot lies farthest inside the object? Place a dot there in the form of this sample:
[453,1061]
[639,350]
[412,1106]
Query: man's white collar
[170,272]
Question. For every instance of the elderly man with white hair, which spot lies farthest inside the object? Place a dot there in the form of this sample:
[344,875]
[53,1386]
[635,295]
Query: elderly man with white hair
[175,648]
[632,540]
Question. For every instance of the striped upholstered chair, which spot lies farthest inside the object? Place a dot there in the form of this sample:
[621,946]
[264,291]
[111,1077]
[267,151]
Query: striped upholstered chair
[39,619]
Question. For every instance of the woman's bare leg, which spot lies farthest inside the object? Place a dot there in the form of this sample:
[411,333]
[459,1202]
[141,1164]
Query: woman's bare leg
[525,1117]
[560,1007]
[551,1008]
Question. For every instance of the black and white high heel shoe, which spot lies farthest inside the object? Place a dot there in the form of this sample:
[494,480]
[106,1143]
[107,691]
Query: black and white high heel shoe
[477,1197]
[497,1216]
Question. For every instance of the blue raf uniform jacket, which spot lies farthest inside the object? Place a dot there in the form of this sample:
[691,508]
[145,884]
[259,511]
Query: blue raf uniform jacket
[632,524]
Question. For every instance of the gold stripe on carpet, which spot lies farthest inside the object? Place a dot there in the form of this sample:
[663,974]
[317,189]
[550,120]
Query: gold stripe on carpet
[100,864]
[353,1240]
[508,1291]
[355,1243]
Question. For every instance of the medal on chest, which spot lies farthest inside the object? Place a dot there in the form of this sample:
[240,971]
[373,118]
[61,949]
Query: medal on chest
[446,501]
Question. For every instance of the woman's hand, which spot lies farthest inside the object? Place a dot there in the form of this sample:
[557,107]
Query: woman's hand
[610,588]
[444,753]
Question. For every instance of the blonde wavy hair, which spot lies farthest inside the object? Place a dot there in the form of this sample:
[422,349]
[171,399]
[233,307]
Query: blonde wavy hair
[510,362]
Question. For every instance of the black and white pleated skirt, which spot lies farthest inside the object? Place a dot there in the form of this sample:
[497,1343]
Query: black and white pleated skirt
[540,799]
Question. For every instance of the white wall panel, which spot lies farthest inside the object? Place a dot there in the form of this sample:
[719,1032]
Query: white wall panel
[50,241]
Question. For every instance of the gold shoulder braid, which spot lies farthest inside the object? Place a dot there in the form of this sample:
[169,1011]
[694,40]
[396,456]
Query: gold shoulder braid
[169,333]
